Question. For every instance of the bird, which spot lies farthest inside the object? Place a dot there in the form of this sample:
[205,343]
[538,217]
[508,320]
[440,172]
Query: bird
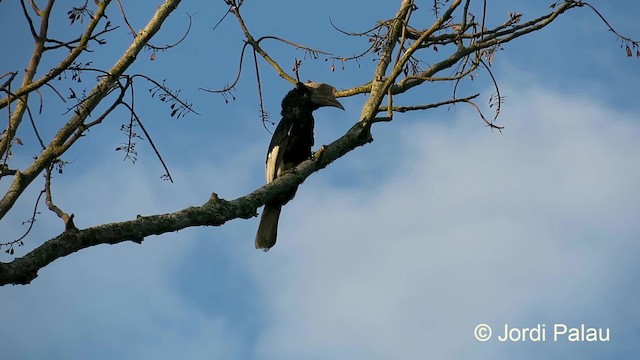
[290,145]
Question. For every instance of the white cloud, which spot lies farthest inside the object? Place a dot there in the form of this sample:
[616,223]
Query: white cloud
[525,227]
[468,226]
[118,301]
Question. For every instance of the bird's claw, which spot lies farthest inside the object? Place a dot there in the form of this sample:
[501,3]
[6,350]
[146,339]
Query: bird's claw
[318,153]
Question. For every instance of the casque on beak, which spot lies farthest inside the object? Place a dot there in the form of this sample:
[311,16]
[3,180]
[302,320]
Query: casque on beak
[323,95]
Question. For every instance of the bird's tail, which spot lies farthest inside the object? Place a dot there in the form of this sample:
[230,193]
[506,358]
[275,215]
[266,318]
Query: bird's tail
[268,228]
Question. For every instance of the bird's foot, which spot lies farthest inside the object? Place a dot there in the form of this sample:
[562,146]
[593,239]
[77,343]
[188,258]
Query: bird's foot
[318,153]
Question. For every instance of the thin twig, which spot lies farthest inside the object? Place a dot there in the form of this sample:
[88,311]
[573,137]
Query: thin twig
[153,146]
[68,220]
[31,221]
[489,123]
[499,98]
[617,34]
[403,109]
[35,128]
[263,113]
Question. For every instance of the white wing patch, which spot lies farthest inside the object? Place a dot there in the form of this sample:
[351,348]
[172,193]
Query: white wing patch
[275,164]
[270,170]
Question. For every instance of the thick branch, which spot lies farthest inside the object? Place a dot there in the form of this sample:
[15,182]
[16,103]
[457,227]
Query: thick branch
[16,117]
[379,86]
[399,66]
[214,212]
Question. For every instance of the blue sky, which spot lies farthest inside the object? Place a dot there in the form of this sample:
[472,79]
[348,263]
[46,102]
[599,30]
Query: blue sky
[398,250]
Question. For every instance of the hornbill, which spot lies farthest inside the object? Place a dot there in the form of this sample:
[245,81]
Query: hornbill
[290,145]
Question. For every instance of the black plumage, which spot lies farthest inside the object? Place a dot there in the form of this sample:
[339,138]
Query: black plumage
[290,145]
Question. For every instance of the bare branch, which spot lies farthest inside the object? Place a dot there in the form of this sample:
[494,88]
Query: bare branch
[134,116]
[235,9]
[75,125]
[28,84]
[167,95]
[264,116]
[228,88]
[25,12]
[400,49]
[5,85]
[498,99]
[35,128]
[403,109]
[295,45]
[215,212]
[67,219]
[70,44]
[630,43]
[149,45]
[19,241]
[15,118]
[489,123]
[380,83]
[156,48]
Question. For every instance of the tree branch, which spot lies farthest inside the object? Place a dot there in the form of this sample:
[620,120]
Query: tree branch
[257,48]
[403,109]
[379,83]
[468,42]
[28,85]
[214,212]
[57,146]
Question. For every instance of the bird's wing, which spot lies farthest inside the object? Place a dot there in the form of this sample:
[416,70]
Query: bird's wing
[270,171]
[279,142]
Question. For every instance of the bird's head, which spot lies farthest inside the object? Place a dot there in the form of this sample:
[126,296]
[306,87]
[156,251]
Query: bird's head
[322,95]
[309,97]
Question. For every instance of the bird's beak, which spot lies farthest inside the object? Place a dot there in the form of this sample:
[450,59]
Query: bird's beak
[323,95]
